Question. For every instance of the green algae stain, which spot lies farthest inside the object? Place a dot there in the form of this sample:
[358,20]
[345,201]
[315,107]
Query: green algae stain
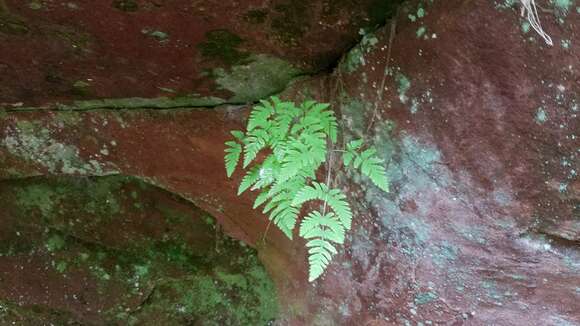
[290,21]
[210,298]
[221,44]
[11,24]
[225,287]
[55,243]
[444,254]
[262,76]
[126,5]
[37,197]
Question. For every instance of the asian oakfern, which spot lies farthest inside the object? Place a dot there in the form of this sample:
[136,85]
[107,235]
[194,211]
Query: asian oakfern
[296,141]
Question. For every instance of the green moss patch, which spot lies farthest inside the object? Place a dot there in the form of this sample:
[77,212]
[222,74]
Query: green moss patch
[142,255]
[222,45]
[262,76]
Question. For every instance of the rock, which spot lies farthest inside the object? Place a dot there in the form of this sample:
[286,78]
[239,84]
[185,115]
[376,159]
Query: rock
[478,127]
[115,251]
[176,50]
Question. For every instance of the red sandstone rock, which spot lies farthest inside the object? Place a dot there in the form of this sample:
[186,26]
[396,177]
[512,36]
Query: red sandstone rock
[479,128]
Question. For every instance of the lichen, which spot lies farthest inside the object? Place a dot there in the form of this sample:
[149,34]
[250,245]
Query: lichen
[34,143]
[262,76]
[355,58]
[403,86]
[541,116]
[208,277]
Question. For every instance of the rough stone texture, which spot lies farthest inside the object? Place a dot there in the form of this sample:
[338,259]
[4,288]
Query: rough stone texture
[478,126]
[117,251]
[85,50]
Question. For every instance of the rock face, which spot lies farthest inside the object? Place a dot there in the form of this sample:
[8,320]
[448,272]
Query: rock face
[475,118]
[194,52]
[117,251]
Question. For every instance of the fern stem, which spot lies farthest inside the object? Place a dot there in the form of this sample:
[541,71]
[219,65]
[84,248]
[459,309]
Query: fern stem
[328,170]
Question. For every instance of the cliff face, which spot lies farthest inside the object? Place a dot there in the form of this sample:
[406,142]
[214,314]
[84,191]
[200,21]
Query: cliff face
[475,116]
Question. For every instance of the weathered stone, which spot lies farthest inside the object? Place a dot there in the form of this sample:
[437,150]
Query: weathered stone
[477,121]
[143,49]
[117,251]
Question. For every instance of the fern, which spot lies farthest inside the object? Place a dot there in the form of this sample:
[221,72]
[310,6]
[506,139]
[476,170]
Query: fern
[368,162]
[295,140]
[322,229]
[233,152]
[333,197]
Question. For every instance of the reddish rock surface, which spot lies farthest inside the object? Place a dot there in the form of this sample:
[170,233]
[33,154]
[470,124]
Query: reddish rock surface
[478,127]
[82,50]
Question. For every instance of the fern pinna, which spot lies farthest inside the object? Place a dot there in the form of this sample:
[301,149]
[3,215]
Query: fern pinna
[296,140]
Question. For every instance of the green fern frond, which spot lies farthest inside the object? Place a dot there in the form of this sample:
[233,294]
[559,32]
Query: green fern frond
[368,162]
[267,173]
[373,167]
[298,156]
[249,179]
[232,157]
[316,225]
[320,254]
[255,141]
[239,135]
[333,197]
[261,198]
[322,229]
[284,217]
[259,118]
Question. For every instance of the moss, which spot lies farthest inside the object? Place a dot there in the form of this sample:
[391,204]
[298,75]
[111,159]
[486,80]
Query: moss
[291,19]
[223,285]
[355,58]
[404,84]
[222,45]
[126,5]
[77,39]
[381,10]
[10,23]
[255,16]
[261,77]
[158,35]
[37,198]
[225,298]
[55,242]
[12,313]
